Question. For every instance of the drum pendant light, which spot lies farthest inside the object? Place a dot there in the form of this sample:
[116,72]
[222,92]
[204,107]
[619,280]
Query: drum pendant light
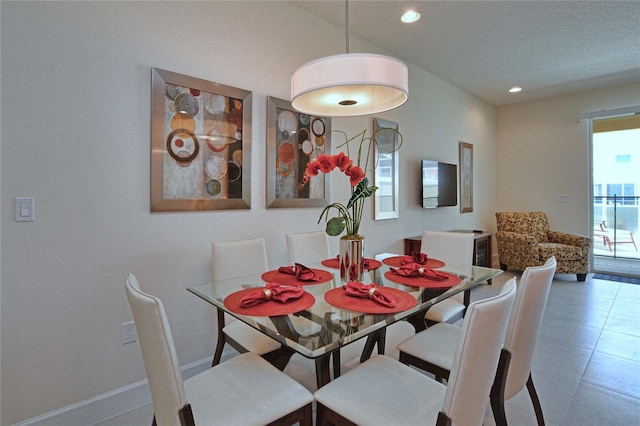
[350,84]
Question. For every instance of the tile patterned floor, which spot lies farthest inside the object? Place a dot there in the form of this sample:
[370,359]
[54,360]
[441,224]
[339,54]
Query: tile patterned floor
[586,366]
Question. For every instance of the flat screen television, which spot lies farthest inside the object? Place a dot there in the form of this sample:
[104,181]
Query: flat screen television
[439,184]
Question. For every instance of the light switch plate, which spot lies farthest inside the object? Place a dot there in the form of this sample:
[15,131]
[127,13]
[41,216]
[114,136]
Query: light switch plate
[25,209]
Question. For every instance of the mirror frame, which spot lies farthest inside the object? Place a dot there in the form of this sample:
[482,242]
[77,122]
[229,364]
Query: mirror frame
[380,214]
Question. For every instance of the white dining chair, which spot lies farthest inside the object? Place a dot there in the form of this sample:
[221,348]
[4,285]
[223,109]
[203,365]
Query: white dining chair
[233,259]
[308,247]
[433,350]
[455,249]
[244,390]
[385,392]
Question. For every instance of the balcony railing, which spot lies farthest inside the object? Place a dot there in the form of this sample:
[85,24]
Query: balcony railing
[616,225]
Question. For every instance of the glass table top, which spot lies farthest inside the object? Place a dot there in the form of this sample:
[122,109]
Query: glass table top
[323,328]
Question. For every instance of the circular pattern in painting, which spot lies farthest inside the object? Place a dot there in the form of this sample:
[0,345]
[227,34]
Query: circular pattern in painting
[171,91]
[234,170]
[181,121]
[215,167]
[286,153]
[237,156]
[213,187]
[183,146]
[287,121]
[214,103]
[317,127]
[187,104]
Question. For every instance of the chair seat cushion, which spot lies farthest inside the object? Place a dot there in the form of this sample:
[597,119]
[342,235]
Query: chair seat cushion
[233,393]
[445,311]
[397,395]
[562,252]
[250,338]
[436,345]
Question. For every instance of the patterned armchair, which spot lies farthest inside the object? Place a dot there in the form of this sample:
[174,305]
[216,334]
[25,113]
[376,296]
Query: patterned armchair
[524,239]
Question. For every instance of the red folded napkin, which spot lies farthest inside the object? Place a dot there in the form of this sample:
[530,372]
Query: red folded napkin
[301,272]
[417,257]
[368,291]
[273,291]
[417,270]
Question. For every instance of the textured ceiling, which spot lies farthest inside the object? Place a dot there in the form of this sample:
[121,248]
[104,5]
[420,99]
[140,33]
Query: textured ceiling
[548,48]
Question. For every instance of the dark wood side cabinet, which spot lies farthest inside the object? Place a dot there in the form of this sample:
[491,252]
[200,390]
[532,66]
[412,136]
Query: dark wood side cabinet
[481,248]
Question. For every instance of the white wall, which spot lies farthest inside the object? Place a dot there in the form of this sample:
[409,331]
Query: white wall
[75,135]
[543,152]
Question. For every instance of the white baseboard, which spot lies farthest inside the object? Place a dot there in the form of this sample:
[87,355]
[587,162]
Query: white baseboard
[114,403]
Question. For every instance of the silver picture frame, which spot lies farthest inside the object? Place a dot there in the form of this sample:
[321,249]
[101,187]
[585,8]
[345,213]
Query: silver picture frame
[293,140]
[200,144]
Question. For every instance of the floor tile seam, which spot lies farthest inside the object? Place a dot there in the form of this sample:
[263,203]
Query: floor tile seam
[557,374]
[570,321]
[521,409]
[561,341]
[609,389]
[585,304]
[624,358]
[623,332]
[528,409]
[570,345]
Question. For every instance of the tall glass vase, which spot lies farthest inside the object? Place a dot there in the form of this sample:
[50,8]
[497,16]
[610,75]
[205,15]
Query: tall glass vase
[351,258]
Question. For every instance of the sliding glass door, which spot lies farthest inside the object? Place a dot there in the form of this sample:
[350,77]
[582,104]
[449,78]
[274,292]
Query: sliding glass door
[616,188]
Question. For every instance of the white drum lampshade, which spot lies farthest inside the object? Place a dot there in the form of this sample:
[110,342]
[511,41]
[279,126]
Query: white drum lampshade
[350,84]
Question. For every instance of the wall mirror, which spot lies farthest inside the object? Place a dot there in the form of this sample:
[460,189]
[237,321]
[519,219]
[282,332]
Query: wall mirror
[387,142]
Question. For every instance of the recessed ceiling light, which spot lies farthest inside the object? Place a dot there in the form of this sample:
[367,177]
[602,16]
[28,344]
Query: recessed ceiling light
[515,89]
[410,16]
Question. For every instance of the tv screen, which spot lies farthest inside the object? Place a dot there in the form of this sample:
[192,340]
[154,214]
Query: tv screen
[439,184]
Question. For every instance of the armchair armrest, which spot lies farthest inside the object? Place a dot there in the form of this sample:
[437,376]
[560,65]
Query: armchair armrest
[571,239]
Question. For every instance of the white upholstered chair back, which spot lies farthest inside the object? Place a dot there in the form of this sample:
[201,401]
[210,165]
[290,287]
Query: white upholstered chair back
[474,365]
[158,353]
[525,322]
[308,247]
[455,249]
[233,259]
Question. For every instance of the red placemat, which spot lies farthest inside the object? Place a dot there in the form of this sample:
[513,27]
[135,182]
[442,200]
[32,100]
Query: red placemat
[423,281]
[288,279]
[396,261]
[338,297]
[335,263]
[270,308]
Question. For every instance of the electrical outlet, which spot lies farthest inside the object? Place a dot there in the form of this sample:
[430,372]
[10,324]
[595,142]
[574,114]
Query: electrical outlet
[129,334]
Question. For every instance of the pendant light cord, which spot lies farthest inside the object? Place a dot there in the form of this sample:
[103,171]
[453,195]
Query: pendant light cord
[346,19]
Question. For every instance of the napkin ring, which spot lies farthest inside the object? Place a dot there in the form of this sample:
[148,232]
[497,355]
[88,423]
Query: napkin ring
[268,293]
[372,291]
[421,271]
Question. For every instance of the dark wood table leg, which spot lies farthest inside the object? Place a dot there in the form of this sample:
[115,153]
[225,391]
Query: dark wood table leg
[322,370]
[376,338]
[336,363]
[417,321]
[280,357]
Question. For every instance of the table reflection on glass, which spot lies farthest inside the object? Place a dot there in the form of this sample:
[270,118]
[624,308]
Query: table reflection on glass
[329,327]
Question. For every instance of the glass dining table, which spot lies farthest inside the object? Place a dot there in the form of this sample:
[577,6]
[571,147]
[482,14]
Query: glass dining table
[327,320]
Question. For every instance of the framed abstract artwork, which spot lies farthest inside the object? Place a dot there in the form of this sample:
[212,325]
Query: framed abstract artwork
[293,140]
[200,144]
[465,153]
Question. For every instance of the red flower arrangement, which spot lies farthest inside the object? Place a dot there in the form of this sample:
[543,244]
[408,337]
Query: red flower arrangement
[349,216]
[327,163]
